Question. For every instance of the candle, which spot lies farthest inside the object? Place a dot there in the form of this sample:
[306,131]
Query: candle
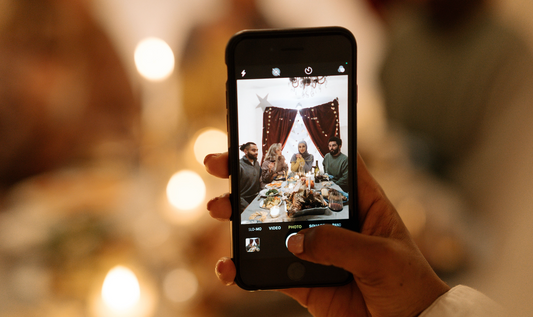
[274,212]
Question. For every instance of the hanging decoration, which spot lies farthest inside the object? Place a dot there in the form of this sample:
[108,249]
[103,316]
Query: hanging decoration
[263,103]
[307,85]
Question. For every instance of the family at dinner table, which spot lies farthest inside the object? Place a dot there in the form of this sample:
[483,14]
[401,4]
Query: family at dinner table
[255,176]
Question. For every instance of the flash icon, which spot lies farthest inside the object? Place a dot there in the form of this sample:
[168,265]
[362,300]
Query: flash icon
[243,73]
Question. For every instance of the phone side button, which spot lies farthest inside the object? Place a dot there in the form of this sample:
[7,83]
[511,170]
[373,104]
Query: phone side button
[296,271]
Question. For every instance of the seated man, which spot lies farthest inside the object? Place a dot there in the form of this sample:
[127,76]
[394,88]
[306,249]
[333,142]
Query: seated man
[250,174]
[336,163]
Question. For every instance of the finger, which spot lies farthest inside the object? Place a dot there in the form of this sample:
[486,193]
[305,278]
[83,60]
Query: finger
[352,251]
[225,271]
[220,207]
[217,164]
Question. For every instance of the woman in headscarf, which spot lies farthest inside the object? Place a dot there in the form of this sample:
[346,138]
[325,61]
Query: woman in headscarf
[302,158]
[273,164]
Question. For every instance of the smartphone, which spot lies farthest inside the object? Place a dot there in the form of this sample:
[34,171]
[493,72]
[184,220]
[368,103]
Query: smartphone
[291,99]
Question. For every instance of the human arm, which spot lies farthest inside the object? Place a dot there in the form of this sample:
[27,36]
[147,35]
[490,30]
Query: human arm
[309,163]
[267,173]
[296,163]
[342,178]
[391,277]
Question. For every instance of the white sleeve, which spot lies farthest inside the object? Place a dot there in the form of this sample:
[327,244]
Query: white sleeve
[464,301]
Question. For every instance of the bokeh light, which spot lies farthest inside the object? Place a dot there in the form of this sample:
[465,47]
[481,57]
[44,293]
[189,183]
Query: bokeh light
[208,141]
[180,285]
[121,290]
[186,190]
[154,59]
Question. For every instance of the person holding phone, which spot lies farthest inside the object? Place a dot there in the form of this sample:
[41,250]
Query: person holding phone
[391,276]
[302,159]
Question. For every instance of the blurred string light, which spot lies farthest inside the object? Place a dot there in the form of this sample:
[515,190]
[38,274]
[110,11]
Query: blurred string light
[180,285]
[154,59]
[121,291]
[186,190]
[208,141]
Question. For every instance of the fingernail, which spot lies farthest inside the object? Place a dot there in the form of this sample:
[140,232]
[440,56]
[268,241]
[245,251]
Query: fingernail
[218,271]
[218,267]
[296,243]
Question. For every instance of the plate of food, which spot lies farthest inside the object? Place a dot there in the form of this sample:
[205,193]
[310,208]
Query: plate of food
[269,192]
[270,202]
[305,202]
[307,212]
[274,185]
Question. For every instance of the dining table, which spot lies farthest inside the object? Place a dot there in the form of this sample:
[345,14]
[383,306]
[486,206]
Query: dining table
[256,213]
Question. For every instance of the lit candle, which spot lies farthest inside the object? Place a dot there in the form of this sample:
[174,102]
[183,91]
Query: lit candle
[274,211]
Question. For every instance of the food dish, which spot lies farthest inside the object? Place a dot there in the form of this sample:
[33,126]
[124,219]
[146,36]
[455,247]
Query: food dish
[274,185]
[270,202]
[307,212]
[269,192]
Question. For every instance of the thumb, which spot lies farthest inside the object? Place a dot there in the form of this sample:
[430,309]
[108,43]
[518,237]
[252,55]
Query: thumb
[352,251]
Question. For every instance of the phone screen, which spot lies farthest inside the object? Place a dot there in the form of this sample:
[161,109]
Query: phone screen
[294,139]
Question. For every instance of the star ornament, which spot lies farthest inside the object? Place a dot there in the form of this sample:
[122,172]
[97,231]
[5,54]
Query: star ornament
[263,103]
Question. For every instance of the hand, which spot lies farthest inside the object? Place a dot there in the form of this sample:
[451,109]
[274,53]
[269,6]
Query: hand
[391,276]
[298,155]
[270,166]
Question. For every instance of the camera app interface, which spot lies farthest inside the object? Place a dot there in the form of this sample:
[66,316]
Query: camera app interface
[293,137]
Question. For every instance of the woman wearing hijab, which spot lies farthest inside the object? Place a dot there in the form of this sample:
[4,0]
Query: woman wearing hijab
[302,158]
[273,165]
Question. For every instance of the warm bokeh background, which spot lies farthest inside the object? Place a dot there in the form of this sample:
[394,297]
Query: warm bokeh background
[102,143]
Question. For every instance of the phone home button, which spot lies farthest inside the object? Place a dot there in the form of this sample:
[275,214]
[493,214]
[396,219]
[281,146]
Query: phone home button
[296,271]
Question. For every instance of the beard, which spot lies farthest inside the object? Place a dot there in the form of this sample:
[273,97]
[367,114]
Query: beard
[334,152]
[251,157]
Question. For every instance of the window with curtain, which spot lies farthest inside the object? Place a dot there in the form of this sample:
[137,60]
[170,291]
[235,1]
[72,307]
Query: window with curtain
[277,124]
[322,122]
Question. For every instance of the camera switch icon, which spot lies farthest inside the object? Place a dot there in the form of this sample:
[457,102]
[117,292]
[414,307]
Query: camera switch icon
[308,70]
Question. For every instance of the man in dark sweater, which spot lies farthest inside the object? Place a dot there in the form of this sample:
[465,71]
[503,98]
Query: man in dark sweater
[336,164]
[250,174]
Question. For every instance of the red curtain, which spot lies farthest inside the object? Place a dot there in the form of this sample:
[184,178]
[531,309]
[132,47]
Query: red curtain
[322,122]
[277,125]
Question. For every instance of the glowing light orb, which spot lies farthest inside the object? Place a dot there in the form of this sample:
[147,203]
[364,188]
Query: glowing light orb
[154,59]
[121,290]
[210,141]
[186,190]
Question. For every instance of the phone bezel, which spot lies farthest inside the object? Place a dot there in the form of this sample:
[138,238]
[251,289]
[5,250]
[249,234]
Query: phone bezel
[301,41]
